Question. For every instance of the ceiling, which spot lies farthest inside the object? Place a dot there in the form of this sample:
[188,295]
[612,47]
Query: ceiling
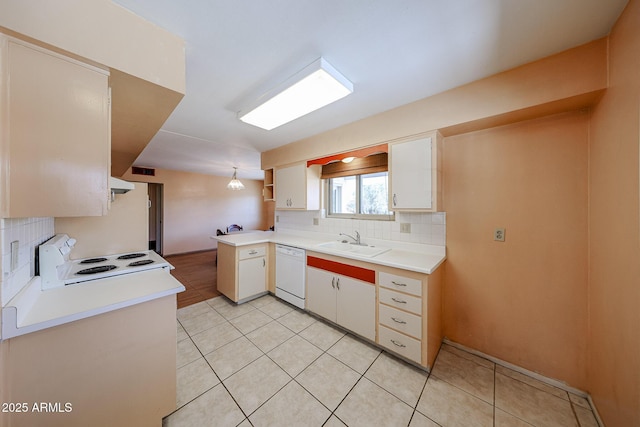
[393,51]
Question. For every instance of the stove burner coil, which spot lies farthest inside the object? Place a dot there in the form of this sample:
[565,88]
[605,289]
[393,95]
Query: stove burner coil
[131,256]
[99,269]
[141,262]
[92,260]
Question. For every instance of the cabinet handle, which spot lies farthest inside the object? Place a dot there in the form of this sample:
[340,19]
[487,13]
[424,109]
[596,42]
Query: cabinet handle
[338,283]
[253,252]
[399,301]
[394,199]
[402,322]
[398,284]
[396,344]
[333,283]
[264,263]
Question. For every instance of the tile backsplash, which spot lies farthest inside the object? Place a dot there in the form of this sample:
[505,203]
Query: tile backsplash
[29,233]
[426,228]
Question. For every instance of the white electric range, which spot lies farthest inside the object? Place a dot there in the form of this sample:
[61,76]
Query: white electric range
[57,269]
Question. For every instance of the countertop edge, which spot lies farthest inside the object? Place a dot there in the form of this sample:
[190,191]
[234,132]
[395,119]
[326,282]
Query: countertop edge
[310,244]
[16,313]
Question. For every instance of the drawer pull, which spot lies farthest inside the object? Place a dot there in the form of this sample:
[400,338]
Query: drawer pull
[398,283]
[399,321]
[253,252]
[399,301]
[397,344]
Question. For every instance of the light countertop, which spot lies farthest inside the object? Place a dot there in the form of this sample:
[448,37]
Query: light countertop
[34,309]
[407,256]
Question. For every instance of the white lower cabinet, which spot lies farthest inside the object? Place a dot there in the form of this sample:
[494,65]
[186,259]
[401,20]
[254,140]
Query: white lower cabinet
[348,302]
[409,310]
[251,277]
[242,271]
[398,309]
[252,268]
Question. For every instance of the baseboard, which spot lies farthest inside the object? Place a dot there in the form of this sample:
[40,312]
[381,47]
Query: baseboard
[191,252]
[553,382]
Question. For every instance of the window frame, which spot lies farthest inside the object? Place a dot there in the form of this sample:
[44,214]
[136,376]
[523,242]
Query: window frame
[357,215]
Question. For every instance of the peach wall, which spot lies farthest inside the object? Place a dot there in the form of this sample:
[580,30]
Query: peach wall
[614,259]
[195,205]
[554,84]
[523,300]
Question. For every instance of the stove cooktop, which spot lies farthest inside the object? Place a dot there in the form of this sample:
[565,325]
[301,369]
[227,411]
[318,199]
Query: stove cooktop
[76,271]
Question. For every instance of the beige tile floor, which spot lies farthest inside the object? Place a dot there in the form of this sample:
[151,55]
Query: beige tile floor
[265,363]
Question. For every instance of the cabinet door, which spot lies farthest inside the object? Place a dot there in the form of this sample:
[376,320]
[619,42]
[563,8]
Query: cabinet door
[251,277]
[291,187]
[58,135]
[356,306]
[411,175]
[321,293]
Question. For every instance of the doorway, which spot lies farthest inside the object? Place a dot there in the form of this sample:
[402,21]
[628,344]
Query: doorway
[155,192]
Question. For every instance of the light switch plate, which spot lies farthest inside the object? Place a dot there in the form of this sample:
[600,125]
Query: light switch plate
[405,227]
[315,221]
[499,234]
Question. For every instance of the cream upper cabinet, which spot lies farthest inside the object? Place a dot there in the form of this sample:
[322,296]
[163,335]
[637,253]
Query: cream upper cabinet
[55,140]
[415,174]
[298,187]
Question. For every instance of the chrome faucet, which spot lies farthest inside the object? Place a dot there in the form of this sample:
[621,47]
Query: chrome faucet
[356,240]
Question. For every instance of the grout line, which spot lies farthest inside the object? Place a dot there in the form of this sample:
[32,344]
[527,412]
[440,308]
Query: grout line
[494,395]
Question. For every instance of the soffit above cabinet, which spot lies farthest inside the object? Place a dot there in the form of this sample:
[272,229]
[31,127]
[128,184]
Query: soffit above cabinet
[138,110]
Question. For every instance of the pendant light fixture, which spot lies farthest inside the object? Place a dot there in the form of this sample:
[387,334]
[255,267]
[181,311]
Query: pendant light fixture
[235,183]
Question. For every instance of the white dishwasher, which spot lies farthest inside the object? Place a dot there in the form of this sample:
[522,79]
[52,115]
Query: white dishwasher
[290,269]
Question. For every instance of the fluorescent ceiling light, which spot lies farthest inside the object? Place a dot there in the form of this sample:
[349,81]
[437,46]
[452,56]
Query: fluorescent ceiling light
[313,87]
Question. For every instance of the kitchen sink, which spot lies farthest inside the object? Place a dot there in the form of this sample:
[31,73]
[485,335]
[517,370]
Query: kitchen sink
[362,250]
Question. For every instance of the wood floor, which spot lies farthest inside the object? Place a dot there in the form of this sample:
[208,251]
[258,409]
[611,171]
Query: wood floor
[198,273]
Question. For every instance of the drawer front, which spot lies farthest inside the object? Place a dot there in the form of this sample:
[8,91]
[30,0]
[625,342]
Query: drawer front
[252,252]
[401,321]
[401,344]
[401,301]
[400,283]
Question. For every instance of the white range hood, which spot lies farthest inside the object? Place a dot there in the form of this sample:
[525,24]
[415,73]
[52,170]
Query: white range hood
[119,186]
